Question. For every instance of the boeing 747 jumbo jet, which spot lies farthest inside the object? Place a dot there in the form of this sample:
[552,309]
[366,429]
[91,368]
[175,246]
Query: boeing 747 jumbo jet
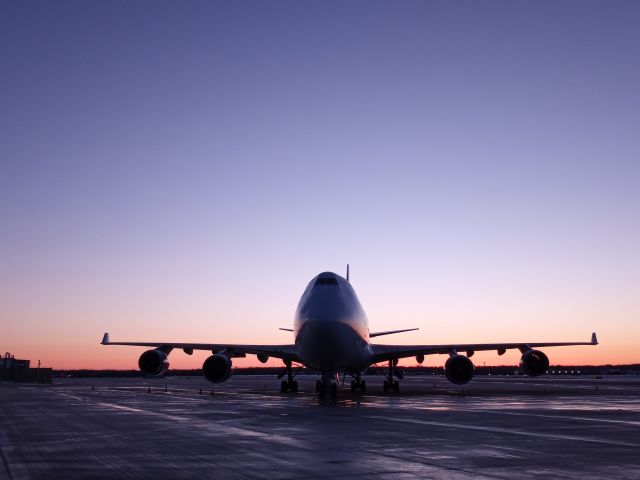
[331,334]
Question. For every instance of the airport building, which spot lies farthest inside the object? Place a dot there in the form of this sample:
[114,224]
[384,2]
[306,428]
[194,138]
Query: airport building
[18,370]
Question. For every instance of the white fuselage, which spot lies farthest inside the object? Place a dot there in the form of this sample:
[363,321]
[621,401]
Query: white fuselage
[331,329]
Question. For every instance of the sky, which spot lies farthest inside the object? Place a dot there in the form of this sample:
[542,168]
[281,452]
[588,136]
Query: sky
[178,171]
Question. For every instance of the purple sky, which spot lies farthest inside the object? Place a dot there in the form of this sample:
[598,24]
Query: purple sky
[180,170]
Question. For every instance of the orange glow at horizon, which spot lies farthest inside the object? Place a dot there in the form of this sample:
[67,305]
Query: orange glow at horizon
[64,332]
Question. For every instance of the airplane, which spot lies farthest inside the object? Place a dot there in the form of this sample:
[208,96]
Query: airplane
[331,336]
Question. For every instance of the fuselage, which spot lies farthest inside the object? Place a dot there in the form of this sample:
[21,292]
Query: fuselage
[331,328]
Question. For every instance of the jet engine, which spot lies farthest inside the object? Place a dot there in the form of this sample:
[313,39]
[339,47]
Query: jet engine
[217,368]
[153,362]
[459,369]
[534,363]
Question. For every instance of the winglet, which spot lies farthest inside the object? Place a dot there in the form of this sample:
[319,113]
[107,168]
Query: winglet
[594,339]
[105,339]
[348,273]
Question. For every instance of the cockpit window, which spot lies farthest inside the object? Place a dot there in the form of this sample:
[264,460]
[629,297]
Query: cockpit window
[326,281]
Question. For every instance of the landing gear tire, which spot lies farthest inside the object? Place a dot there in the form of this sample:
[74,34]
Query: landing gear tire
[334,391]
[396,386]
[385,387]
[322,389]
[358,385]
[286,386]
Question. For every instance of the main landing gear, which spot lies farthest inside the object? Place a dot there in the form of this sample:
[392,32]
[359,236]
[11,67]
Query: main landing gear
[390,384]
[358,384]
[288,385]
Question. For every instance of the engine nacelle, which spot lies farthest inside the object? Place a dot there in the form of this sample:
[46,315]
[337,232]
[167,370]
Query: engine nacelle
[217,368]
[459,369]
[153,362]
[262,357]
[534,363]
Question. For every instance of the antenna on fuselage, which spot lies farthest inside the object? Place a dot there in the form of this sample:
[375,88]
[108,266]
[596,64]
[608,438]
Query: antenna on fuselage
[347,272]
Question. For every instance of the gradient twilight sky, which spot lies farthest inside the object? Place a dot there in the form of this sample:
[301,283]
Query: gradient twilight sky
[180,170]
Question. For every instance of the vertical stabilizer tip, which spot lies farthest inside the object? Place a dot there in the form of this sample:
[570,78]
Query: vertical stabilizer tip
[594,338]
[105,339]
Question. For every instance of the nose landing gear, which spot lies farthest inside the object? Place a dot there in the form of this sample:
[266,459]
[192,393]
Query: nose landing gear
[327,386]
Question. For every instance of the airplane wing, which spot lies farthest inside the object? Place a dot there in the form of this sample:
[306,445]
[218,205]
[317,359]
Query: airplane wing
[391,352]
[285,352]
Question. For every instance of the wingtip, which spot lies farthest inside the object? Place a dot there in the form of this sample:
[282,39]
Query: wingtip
[594,339]
[105,339]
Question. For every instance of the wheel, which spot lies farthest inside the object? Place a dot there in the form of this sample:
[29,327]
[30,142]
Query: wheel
[353,385]
[385,386]
[322,389]
[396,386]
[334,391]
[318,385]
[294,386]
[363,386]
[284,386]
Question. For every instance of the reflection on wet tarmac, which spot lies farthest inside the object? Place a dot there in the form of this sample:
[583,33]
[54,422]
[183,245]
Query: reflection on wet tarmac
[491,428]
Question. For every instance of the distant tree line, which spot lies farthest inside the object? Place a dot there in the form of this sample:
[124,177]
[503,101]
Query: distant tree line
[417,370]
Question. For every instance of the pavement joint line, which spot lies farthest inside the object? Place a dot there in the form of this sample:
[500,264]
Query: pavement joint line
[567,417]
[435,465]
[282,439]
[138,410]
[507,430]
[6,464]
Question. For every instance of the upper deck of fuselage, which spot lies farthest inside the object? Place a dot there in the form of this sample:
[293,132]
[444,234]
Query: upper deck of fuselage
[328,284]
[330,298]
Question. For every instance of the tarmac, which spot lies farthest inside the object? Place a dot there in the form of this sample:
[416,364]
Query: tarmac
[493,427]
